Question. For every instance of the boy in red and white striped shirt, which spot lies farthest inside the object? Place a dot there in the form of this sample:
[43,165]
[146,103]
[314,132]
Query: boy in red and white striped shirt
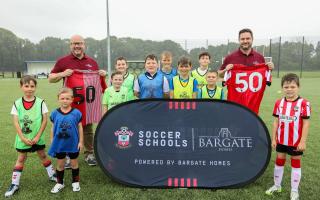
[289,134]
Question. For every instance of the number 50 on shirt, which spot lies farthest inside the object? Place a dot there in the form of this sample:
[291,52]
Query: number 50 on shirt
[246,85]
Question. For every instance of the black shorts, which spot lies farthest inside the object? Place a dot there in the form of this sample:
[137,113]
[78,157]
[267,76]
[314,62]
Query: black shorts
[33,148]
[292,151]
[63,155]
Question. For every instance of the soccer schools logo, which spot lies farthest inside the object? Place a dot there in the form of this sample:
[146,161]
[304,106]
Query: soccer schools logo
[223,141]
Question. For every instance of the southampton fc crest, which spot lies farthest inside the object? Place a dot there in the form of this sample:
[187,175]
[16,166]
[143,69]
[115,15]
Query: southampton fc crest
[123,137]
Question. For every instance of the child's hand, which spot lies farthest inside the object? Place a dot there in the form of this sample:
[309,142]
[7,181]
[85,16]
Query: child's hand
[27,141]
[274,144]
[301,146]
[35,140]
[80,146]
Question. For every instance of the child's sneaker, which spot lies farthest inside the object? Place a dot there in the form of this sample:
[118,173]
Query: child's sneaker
[91,160]
[294,195]
[67,164]
[273,189]
[12,189]
[53,178]
[57,188]
[76,186]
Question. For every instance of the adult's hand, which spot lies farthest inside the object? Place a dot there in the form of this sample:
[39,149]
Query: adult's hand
[67,72]
[102,72]
[229,66]
[270,65]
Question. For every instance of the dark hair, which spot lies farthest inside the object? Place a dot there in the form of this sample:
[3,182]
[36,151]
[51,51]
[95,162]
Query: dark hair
[184,61]
[116,73]
[212,71]
[205,53]
[151,57]
[121,58]
[27,79]
[291,77]
[246,30]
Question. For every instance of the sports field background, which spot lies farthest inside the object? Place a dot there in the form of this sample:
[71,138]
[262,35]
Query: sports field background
[96,185]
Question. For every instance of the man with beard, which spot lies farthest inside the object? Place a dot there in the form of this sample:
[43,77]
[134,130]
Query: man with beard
[248,73]
[245,55]
[65,67]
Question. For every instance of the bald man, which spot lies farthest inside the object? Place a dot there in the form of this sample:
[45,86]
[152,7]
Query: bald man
[64,67]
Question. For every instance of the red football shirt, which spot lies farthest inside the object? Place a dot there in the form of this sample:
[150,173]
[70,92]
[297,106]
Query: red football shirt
[87,87]
[290,115]
[246,85]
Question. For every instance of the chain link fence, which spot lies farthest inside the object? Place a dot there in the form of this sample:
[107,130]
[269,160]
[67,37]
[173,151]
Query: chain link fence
[295,54]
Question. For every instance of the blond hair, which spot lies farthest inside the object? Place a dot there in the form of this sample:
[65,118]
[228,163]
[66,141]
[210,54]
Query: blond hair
[166,54]
[64,90]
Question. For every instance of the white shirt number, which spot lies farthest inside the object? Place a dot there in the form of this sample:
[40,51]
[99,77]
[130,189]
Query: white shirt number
[250,85]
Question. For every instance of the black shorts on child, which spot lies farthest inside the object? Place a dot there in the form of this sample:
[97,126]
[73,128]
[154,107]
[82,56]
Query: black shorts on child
[63,155]
[288,149]
[33,148]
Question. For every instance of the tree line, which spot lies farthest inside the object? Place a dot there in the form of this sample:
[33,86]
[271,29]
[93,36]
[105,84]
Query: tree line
[14,51]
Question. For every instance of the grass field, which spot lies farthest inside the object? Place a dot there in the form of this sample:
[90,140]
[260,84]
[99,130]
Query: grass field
[95,185]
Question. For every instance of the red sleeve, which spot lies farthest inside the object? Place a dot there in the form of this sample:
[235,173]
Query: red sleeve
[275,109]
[57,67]
[305,109]
[103,83]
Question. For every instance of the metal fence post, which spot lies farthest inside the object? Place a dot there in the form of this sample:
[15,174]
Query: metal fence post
[279,54]
[302,54]
[270,48]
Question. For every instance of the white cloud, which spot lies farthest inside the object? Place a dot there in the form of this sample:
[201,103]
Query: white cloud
[160,19]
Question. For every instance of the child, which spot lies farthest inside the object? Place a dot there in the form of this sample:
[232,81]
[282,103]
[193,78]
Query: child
[66,138]
[290,131]
[166,68]
[183,86]
[151,84]
[128,79]
[115,94]
[30,120]
[211,90]
[201,71]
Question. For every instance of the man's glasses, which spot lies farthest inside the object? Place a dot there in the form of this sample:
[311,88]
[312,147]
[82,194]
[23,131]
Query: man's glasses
[77,43]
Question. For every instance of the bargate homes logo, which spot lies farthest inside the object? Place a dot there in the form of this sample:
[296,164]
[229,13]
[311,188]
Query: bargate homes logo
[123,137]
[225,141]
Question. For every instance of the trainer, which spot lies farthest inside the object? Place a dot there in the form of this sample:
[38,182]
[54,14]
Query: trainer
[64,67]
[245,55]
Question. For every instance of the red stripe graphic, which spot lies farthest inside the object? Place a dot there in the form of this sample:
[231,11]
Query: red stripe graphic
[169,182]
[176,105]
[182,182]
[170,105]
[182,105]
[176,182]
[188,182]
[193,105]
[195,182]
[188,105]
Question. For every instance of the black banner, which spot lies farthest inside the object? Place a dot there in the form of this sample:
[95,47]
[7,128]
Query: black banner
[180,143]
